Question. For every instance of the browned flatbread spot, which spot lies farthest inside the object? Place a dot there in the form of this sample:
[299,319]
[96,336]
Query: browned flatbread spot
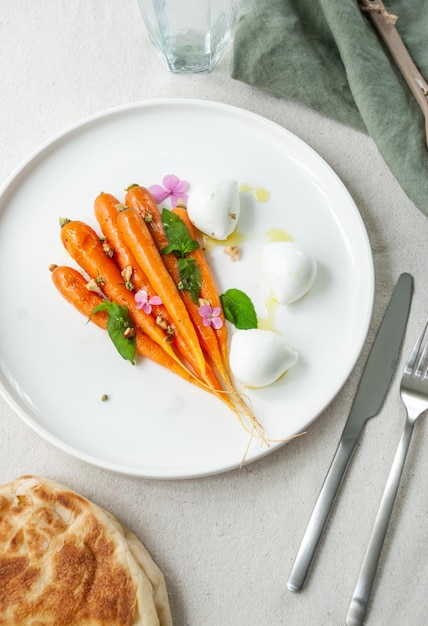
[65,561]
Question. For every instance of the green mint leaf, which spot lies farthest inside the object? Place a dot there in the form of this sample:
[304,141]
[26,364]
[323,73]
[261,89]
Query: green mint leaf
[239,309]
[178,235]
[118,321]
[190,277]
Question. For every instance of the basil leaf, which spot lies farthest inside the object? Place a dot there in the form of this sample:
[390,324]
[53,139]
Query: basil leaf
[239,309]
[178,235]
[190,277]
[118,321]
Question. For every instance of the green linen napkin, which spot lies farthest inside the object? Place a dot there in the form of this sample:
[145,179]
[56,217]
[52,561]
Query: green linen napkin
[328,55]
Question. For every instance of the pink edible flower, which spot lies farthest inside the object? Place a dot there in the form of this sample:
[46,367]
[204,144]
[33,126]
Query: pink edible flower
[211,316]
[173,187]
[144,302]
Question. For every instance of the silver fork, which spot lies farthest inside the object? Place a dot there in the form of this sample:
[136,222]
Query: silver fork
[414,394]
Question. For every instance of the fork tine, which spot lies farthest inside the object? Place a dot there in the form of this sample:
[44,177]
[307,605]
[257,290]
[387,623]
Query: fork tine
[422,365]
[410,366]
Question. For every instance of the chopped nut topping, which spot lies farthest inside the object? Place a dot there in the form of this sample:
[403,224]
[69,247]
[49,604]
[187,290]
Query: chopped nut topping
[202,302]
[92,285]
[126,274]
[161,321]
[129,333]
[232,251]
[108,249]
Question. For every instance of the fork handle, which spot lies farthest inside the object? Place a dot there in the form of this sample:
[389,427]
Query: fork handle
[358,606]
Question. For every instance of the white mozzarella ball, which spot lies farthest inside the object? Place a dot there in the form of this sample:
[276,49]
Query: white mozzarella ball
[289,271]
[214,208]
[259,357]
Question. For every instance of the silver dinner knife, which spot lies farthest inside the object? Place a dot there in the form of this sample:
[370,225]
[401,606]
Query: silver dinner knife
[369,398]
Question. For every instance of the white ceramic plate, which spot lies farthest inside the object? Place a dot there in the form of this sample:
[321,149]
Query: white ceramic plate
[55,367]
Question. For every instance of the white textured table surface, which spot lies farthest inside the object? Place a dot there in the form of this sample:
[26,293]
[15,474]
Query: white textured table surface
[226,543]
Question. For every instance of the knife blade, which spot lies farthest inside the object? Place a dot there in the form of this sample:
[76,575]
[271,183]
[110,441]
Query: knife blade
[372,390]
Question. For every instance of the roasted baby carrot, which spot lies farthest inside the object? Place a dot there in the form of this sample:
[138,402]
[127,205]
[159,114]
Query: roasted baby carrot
[136,235]
[143,202]
[213,342]
[205,334]
[209,290]
[140,199]
[86,248]
[106,210]
[209,293]
[73,287]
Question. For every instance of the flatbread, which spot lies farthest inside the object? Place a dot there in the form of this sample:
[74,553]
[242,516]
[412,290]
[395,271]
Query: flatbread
[65,561]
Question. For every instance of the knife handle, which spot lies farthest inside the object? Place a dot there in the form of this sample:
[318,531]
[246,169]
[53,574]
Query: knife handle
[321,512]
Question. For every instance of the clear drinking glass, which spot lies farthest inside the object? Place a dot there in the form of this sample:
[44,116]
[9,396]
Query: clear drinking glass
[189,35]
